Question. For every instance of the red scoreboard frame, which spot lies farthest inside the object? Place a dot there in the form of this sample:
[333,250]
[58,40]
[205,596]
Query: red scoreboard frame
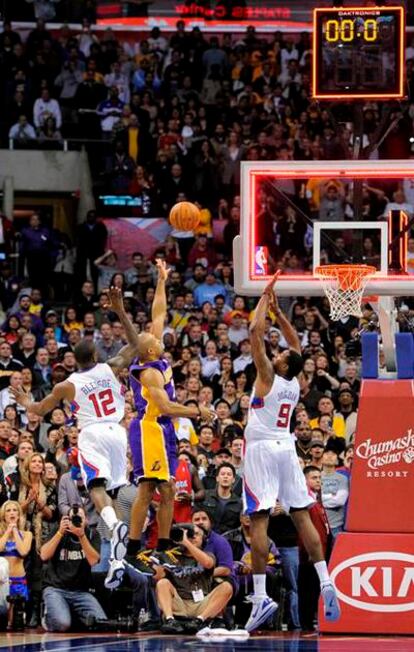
[343,14]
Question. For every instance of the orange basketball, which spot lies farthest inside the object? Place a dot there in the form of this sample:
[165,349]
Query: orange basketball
[185,216]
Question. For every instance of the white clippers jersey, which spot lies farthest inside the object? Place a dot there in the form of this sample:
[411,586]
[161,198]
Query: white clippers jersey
[98,396]
[269,417]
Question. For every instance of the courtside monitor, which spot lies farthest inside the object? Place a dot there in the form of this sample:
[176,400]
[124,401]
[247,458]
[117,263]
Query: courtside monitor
[297,215]
[358,53]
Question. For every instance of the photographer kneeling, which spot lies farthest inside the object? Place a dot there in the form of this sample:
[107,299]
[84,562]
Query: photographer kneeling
[186,590]
[67,575]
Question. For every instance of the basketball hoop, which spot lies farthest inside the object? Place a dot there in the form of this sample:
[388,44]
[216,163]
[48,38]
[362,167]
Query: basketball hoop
[344,286]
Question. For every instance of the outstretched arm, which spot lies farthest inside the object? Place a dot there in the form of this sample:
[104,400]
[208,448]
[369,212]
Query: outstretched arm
[123,358]
[60,392]
[288,332]
[159,305]
[264,368]
[116,304]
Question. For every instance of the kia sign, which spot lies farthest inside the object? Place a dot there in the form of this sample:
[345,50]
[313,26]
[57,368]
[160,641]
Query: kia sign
[383,471]
[386,577]
[374,579]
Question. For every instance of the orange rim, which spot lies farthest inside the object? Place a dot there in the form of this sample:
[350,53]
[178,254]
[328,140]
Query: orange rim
[349,277]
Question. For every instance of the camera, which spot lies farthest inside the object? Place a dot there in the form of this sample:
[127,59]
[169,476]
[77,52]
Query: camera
[76,519]
[177,532]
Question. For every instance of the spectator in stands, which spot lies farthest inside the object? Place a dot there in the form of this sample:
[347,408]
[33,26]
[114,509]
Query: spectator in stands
[36,248]
[69,555]
[8,364]
[221,501]
[44,107]
[317,449]
[346,408]
[326,408]
[37,498]
[22,131]
[335,492]
[120,169]
[106,347]
[110,111]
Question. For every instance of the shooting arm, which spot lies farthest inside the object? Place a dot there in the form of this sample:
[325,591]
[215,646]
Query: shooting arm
[265,373]
[288,331]
[153,382]
[159,308]
[129,328]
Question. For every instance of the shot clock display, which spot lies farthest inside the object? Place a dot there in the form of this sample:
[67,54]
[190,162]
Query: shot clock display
[358,53]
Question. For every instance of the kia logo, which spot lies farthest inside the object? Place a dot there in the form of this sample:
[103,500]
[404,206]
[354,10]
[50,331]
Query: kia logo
[388,584]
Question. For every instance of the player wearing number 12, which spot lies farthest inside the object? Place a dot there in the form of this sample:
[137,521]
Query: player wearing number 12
[271,465]
[96,398]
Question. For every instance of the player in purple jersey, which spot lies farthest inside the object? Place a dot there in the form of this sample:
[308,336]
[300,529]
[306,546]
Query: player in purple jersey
[152,436]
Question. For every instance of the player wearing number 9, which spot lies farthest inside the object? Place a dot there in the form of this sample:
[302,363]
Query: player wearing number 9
[271,466]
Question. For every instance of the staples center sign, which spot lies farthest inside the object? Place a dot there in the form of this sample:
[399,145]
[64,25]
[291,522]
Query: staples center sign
[377,581]
[380,454]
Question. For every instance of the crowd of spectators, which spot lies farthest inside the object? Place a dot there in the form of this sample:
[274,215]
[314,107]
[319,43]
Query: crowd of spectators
[177,115]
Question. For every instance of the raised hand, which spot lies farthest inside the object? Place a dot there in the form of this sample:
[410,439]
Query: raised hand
[115,303]
[21,397]
[163,270]
[269,292]
[206,414]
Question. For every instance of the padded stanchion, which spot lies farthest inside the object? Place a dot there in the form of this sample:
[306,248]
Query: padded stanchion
[370,354]
[404,343]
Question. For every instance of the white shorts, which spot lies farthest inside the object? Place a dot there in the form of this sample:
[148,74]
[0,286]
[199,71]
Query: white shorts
[103,454]
[272,471]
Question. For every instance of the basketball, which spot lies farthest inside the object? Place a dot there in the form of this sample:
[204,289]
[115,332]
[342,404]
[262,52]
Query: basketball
[185,216]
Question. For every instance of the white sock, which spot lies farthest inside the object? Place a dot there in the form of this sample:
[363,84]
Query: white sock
[109,517]
[259,585]
[322,570]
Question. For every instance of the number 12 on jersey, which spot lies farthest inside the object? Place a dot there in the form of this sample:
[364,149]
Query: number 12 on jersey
[283,418]
[103,403]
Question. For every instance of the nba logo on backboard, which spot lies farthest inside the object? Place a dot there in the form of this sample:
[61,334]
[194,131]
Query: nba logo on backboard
[260,261]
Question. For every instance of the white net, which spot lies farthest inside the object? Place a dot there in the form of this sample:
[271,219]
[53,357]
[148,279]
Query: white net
[344,286]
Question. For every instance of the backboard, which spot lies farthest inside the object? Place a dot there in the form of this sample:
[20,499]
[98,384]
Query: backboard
[298,214]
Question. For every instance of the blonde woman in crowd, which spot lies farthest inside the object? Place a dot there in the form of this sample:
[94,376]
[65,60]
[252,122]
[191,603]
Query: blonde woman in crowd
[15,544]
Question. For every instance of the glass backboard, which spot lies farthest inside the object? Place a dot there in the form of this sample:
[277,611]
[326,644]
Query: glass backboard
[298,214]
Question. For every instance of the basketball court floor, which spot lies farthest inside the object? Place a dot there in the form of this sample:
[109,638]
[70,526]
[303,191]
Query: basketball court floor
[279,642]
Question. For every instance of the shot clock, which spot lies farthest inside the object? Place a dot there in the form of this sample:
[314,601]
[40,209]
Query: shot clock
[358,52]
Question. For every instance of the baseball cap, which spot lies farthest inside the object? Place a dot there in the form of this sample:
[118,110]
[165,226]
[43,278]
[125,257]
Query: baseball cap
[51,312]
[317,442]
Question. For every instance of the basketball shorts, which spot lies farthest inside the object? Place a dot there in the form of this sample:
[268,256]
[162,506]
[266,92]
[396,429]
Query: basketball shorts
[103,454]
[154,450]
[272,471]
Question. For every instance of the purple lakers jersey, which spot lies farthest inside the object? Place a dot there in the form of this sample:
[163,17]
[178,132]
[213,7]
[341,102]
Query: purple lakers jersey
[143,403]
[152,435]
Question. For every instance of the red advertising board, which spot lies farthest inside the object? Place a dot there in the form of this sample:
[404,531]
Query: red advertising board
[374,579]
[382,485]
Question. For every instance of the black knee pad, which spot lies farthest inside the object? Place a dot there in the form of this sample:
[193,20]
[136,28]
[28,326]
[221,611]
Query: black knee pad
[97,482]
